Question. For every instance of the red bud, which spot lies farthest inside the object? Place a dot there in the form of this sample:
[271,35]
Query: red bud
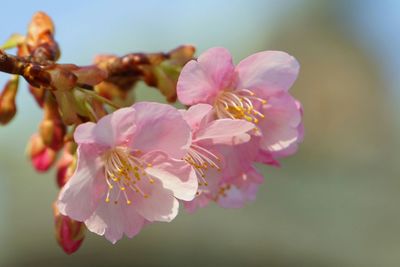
[42,157]
[69,233]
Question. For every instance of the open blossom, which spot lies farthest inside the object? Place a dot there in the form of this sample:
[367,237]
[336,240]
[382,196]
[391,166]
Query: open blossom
[256,90]
[221,152]
[129,170]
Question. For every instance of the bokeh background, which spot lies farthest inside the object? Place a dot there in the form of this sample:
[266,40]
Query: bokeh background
[335,203]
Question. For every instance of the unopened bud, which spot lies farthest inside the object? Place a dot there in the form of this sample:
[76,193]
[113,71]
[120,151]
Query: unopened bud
[8,107]
[51,129]
[40,37]
[41,156]
[69,233]
[52,133]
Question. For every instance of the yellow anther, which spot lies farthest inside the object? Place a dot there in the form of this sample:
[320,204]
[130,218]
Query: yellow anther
[128,202]
[122,188]
[146,196]
[151,181]
[107,200]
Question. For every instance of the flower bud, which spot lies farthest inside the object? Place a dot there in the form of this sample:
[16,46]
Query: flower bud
[51,129]
[8,107]
[69,233]
[52,133]
[40,37]
[41,156]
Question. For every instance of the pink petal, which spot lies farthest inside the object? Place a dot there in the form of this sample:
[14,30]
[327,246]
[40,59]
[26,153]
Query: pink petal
[268,71]
[113,220]
[201,80]
[281,127]
[81,194]
[162,128]
[196,114]
[84,133]
[266,157]
[175,175]
[111,130]
[200,201]
[239,158]
[244,189]
[225,131]
[161,205]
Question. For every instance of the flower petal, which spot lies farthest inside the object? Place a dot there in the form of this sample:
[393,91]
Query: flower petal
[201,80]
[162,128]
[281,127]
[269,71]
[84,133]
[81,194]
[196,114]
[175,175]
[225,131]
[200,201]
[161,205]
[243,189]
[116,128]
[113,220]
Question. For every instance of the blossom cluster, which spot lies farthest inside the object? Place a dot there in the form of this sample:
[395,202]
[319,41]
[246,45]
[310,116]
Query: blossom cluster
[137,164]
[122,165]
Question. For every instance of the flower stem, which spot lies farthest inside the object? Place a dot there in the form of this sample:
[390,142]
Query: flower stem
[98,97]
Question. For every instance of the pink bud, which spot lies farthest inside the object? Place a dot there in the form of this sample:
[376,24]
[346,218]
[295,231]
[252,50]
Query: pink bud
[42,157]
[69,233]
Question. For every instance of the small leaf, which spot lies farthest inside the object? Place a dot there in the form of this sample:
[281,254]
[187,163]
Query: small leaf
[13,41]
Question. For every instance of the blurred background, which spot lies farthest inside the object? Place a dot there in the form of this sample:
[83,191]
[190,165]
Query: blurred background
[335,203]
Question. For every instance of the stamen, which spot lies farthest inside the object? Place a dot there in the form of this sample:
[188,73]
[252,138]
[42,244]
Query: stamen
[238,104]
[201,159]
[124,171]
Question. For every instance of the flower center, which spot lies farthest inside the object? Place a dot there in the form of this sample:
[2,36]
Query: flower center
[238,104]
[124,171]
[202,160]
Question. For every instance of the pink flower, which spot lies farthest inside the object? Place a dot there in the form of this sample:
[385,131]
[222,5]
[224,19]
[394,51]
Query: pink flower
[255,90]
[221,150]
[228,192]
[127,171]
